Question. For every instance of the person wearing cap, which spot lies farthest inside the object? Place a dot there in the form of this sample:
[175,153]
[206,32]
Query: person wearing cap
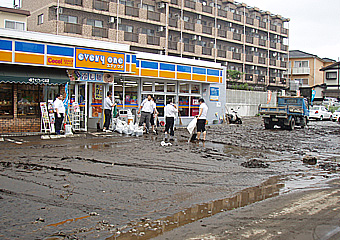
[107,106]
[201,119]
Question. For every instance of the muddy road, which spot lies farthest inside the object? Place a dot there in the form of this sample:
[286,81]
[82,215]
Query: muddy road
[109,186]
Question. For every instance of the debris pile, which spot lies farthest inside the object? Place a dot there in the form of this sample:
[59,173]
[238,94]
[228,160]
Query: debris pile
[254,163]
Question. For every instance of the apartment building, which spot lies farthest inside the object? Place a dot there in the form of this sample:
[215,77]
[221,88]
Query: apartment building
[304,71]
[12,18]
[332,80]
[239,37]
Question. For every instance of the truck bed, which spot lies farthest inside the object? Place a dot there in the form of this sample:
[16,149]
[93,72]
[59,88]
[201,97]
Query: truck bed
[273,110]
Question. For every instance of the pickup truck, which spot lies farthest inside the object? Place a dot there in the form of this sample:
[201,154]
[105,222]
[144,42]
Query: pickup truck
[290,112]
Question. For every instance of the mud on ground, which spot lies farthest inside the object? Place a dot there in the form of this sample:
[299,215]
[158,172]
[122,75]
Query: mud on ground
[105,185]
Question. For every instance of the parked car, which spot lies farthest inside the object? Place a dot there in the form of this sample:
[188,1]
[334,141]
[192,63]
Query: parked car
[330,101]
[336,115]
[319,113]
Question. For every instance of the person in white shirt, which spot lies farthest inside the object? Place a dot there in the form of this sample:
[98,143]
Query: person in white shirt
[170,111]
[201,119]
[59,111]
[107,106]
[153,114]
[147,108]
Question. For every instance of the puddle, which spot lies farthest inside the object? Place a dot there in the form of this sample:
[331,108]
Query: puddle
[146,228]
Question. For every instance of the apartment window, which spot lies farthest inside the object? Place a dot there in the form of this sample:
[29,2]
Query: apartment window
[95,23]
[301,64]
[331,75]
[126,28]
[40,19]
[127,3]
[15,25]
[149,32]
[186,19]
[302,81]
[147,7]
[69,19]
[6,99]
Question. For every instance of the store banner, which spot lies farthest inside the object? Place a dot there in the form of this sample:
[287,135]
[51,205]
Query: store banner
[214,93]
[99,60]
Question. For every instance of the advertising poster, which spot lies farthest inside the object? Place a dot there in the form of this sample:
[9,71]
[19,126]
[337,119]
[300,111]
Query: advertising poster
[214,93]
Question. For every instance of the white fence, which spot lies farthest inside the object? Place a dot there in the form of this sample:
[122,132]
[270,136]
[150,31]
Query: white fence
[248,101]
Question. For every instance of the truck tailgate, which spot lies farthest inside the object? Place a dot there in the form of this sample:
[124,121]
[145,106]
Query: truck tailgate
[273,110]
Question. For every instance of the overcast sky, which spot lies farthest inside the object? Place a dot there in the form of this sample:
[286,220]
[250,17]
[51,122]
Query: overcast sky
[314,25]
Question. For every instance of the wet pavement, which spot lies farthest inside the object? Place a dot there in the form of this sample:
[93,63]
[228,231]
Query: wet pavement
[110,186]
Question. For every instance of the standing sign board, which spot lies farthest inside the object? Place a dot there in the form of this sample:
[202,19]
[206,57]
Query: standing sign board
[45,120]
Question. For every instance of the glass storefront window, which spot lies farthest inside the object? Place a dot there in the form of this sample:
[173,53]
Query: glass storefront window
[147,86]
[160,104]
[171,87]
[118,91]
[184,87]
[159,86]
[29,97]
[97,99]
[194,106]
[195,88]
[131,93]
[6,99]
[184,106]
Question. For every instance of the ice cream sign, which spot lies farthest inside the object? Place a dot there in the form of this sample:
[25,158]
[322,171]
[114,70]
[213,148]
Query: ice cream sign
[100,60]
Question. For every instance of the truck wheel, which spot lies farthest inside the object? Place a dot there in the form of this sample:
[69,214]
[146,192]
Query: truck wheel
[292,124]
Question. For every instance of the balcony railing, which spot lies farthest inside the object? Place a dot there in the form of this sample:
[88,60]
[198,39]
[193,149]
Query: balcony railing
[273,45]
[273,28]
[207,9]
[222,33]
[249,58]
[272,62]
[263,25]
[237,17]
[131,11]
[236,56]
[284,47]
[283,64]
[207,30]
[189,26]
[101,5]
[221,53]
[284,30]
[237,36]
[301,70]
[73,28]
[99,32]
[189,48]
[189,4]
[155,16]
[250,21]
[222,13]
[74,2]
[173,22]
[172,45]
[131,37]
[262,42]
[206,51]
[262,60]
[153,40]
[249,39]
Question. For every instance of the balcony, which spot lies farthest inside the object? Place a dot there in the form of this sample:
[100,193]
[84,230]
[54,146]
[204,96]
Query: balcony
[155,16]
[283,80]
[73,28]
[207,30]
[206,51]
[131,11]
[100,32]
[221,53]
[272,79]
[283,64]
[237,36]
[101,5]
[249,77]
[153,40]
[301,70]
[74,2]
[262,60]
[261,79]
[174,2]
[250,21]
[172,45]
[263,25]
[249,39]
[272,62]
[189,26]
[284,31]
[249,58]
[284,47]
[236,56]
[237,17]
[207,9]
[262,42]
[131,37]
[222,13]
[189,4]
[173,22]
[189,47]
[222,33]
[273,45]
[273,27]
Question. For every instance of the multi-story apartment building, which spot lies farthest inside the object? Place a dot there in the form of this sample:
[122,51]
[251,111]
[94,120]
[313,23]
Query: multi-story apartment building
[304,71]
[240,37]
[12,18]
[332,80]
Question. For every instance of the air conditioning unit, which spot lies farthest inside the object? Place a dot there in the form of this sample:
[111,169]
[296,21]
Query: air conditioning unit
[252,67]
[199,16]
[194,37]
[160,29]
[199,38]
[161,5]
[112,19]
[252,49]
